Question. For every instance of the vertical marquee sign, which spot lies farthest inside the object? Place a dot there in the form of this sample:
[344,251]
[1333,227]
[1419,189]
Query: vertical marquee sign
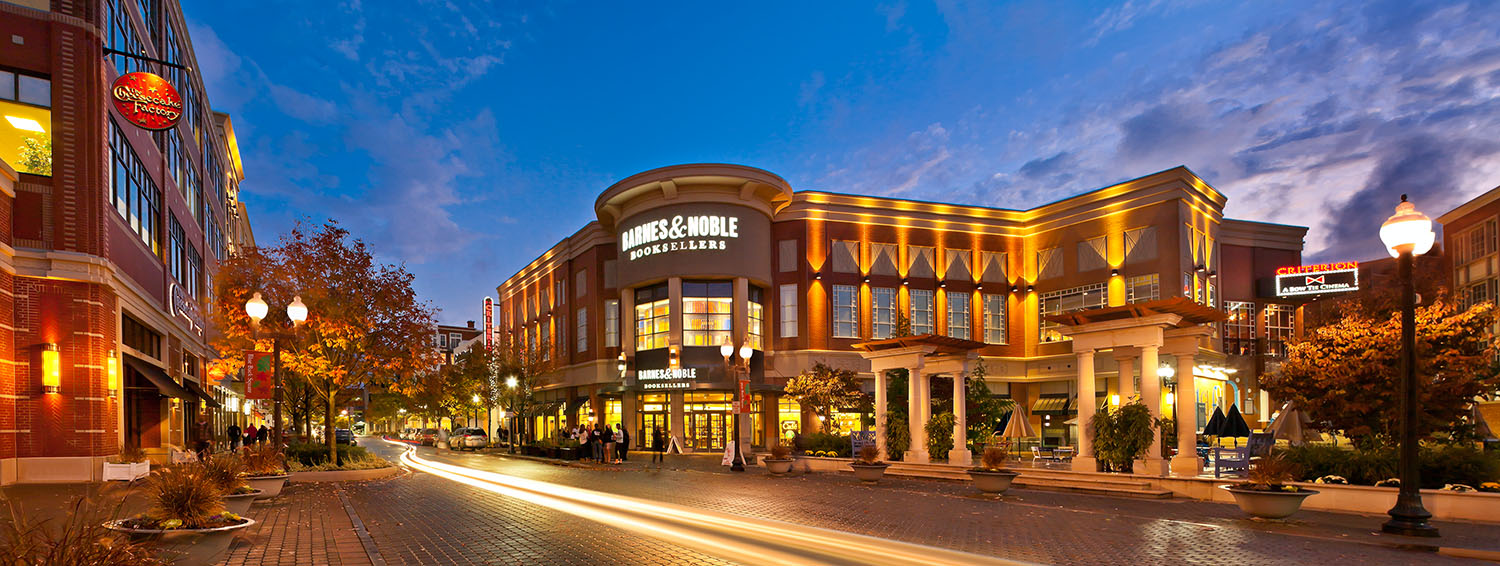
[146,100]
[259,376]
[489,323]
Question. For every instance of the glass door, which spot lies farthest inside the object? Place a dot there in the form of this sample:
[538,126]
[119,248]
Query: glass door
[706,431]
[648,424]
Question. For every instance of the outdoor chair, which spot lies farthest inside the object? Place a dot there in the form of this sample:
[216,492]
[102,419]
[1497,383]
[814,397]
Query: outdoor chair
[1233,462]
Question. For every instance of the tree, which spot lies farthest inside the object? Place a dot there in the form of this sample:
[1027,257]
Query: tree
[824,389]
[364,321]
[525,364]
[902,328]
[1346,374]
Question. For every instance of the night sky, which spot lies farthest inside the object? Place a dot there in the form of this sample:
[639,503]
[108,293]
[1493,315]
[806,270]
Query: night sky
[465,138]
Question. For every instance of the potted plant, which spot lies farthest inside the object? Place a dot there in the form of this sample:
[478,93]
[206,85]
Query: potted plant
[129,465]
[186,516]
[265,470]
[869,468]
[228,472]
[991,475]
[1267,494]
[780,460]
[1122,435]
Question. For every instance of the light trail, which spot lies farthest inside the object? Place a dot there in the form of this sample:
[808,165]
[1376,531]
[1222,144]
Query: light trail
[731,537]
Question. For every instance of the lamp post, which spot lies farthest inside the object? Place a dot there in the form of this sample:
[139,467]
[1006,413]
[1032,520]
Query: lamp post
[257,308]
[510,383]
[736,368]
[1407,234]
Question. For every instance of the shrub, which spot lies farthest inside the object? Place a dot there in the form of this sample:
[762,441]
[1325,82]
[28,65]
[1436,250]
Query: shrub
[316,454]
[869,454]
[940,435]
[263,460]
[226,472]
[897,435]
[994,457]
[184,494]
[1272,473]
[1457,464]
[824,442]
[779,452]
[129,454]
[1441,464]
[1122,434]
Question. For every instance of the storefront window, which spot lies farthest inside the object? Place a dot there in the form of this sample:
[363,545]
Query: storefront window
[845,311]
[25,134]
[654,414]
[788,419]
[611,412]
[1142,288]
[1068,300]
[921,311]
[707,417]
[756,332]
[707,312]
[883,312]
[994,319]
[958,315]
[653,323]
[757,420]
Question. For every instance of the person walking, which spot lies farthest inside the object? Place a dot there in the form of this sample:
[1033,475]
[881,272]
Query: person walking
[249,435]
[622,443]
[235,437]
[608,438]
[261,434]
[658,448]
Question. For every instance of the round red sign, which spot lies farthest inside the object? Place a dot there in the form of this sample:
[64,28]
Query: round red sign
[147,100]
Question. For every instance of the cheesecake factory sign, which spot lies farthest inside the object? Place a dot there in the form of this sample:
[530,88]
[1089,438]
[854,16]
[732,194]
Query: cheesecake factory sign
[679,233]
[146,100]
[1339,277]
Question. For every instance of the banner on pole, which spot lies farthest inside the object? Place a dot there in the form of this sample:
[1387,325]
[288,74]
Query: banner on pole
[742,400]
[259,376]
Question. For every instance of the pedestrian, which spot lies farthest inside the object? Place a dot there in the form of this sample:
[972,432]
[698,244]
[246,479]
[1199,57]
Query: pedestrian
[597,434]
[204,433]
[261,434]
[609,445]
[235,437]
[658,449]
[622,443]
[249,435]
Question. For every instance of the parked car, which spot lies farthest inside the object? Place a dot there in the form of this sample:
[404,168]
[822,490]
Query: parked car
[468,439]
[343,436]
[428,437]
[410,434]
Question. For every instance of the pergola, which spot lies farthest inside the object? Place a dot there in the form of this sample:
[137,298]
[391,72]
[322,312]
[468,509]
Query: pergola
[1137,334]
[922,357]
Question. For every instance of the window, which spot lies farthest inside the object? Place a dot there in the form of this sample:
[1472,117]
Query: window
[845,311]
[1279,325]
[580,283]
[958,265]
[1239,328]
[1049,263]
[1142,288]
[214,235]
[788,306]
[992,267]
[183,261]
[582,334]
[1140,244]
[612,323]
[1474,243]
[122,37]
[560,328]
[707,312]
[560,291]
[844,255]
[1092,254]
[994,319]
[1068,300]
[919,261]
[25,140]
[921,311]
[135,196]
[653,312]
[454,339]
[544,334]
[883,312]
[139,336]
[1478,293]
[609,274]
[27,89]
[757,319]
[786,255]
[958,315]
[883,259]
[442,340]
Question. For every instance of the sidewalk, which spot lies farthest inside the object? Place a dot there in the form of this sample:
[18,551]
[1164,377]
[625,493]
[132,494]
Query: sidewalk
[309,523]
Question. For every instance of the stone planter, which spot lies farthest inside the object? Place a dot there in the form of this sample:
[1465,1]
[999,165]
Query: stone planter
[868,473]
[240,504]
[989,481]
[186,547]
[126,472]
[1268,504]
[269,486]
[777,467]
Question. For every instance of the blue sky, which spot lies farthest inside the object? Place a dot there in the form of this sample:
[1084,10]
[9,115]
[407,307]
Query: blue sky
[465,138]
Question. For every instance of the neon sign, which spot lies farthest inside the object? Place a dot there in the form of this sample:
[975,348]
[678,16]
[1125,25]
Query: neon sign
[680,233]
[1340,277]
[676,378]
[1335,266]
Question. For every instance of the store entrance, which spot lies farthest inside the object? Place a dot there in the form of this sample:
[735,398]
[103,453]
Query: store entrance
[648,424]
[706,431]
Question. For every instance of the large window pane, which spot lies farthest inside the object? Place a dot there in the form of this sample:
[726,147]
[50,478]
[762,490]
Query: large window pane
[883,312]
[845,311]
[994,319]
[1068,300]
[958,315]
[707,313]
[788,303]
[921,311]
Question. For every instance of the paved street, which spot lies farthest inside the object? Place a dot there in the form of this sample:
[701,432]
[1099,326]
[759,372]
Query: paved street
[421,518]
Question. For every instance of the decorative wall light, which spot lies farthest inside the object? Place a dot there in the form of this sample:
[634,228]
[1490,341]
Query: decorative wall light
[112,374]
[1031,288]
[867,279]
[1015,289]
[51,369]
[979,287]
[942,284]
[1114,272]
[817,275]
[903,281]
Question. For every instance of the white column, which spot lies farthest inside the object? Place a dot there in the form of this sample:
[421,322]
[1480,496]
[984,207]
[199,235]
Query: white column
[1085,461]
[960,454]
[1127,379]
[880,400]
[1186,462]
[1151,396]
[917,451]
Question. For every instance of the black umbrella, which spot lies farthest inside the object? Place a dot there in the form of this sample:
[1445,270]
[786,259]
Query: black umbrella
[1215,423]
[1234,424]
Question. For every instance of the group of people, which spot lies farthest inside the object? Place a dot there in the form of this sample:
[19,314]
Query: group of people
[601,443]
[250,436]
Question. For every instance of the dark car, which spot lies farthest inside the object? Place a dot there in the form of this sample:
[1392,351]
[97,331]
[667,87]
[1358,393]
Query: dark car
[427,437]
[343,436]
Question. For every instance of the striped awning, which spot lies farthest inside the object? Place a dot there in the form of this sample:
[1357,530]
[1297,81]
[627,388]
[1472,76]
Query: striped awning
[1050,405]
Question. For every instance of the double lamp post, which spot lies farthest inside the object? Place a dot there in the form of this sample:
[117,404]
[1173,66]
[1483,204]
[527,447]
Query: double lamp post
[737,367]
[257,308]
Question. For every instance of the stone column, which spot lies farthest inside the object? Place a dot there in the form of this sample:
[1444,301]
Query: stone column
[677,418]
[880,400]
[1127,379]
[917,451]
[960,454]
[1186,462]
[1150,463]
[1085,461]
[629,418]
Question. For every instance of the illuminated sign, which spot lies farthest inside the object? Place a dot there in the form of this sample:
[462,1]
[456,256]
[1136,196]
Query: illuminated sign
[146,100]
[679,378]
[489,323]
[680,233]
[185,307]
[1341,277]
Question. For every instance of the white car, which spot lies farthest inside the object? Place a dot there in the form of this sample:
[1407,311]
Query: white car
[468,439]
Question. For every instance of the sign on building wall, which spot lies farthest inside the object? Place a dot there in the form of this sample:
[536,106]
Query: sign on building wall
[146,100]
[679,233]
[259,376]
[679,378]
[489,323]
[1323,278]
[184,306]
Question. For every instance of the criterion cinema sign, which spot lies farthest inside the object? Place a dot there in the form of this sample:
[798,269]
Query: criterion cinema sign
[679,234]
[1339,277]
[677,378]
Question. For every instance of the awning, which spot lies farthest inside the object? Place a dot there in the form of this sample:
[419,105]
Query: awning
[164,384]
[545,408]
[207,397]
[576,403]
[1050,405]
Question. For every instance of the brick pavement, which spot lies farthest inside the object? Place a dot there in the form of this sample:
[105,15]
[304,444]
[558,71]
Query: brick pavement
[306,524]
[1028,525]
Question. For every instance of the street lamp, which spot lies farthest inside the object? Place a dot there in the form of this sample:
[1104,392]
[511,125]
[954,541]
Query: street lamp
[476,409]
[257,309]
[1407,234]
[736,368]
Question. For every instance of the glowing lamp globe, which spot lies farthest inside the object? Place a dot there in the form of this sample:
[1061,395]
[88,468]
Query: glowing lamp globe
[746,351]
[1166,371]
[510,382]
[726,349]
[297,311]
[1407,231]
[257,308]
[476,398]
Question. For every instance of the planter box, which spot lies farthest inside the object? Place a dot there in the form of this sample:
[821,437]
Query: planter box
[777,467]
[269,486]
[992,482]
[1268,504]
[183,547]
[126,472]
[569,453]
[240,504]
[869,473]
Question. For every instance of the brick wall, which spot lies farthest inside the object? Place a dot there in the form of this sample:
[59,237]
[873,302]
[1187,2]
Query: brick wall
[80,319]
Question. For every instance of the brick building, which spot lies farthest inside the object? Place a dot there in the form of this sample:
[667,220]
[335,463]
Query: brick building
[111,239]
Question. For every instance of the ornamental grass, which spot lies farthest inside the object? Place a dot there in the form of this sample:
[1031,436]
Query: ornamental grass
[182,497]
[263,460]
[227,472]
[994,458]
[77,539]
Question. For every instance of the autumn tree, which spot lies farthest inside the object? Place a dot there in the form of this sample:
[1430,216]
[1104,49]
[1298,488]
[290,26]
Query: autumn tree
[364,325]
[525,364]
[824,389]
[1346,375]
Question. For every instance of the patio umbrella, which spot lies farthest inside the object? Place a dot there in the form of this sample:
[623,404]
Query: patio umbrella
[1019,426]
[1481,422]
[1293,425]
[1234,424]
[1215,423]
